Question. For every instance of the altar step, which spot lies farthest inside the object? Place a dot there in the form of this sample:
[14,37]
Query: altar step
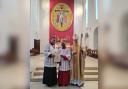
[86,68]
[87,78]
[90,74]
[86,72]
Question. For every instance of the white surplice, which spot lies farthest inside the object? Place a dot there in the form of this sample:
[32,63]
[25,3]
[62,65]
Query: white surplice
[64,64]
[49,62]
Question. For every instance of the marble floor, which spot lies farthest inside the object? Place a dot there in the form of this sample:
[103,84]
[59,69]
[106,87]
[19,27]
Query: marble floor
[13,76]
[88,85]
[37,61]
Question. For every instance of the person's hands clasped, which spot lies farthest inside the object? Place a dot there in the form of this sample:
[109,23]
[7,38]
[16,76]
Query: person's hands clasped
[63,56]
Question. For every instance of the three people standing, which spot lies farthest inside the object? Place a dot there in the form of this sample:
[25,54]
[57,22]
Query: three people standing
[71,67]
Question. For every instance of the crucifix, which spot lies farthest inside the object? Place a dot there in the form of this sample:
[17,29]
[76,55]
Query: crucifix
[61,16]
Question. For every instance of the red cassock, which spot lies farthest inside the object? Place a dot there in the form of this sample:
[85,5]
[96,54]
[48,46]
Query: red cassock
[64,78]
[64,68]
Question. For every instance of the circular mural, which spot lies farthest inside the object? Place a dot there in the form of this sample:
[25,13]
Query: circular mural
[61,17]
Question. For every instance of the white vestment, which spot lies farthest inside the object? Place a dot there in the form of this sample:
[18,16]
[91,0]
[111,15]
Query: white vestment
[64,64]
[49,62]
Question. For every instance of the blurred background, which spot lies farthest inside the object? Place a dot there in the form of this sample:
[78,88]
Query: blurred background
[113,45]
[20,29]
[14,44]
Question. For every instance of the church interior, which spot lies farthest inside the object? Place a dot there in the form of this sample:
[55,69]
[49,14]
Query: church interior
[40,35]
[101,27]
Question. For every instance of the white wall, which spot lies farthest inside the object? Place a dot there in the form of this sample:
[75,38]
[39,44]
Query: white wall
[92,23]
[35,20]
[112,15]
[14,20]
[117,15]
[44,20]
[91,13]
[8,10]
[44,23]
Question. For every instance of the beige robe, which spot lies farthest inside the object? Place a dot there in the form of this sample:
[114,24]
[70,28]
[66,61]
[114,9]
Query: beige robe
[77,64]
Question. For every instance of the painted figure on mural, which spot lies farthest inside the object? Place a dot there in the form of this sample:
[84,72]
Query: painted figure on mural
[61,16]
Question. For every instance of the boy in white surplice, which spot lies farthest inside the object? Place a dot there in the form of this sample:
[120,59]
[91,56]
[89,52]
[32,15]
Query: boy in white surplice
[64,66]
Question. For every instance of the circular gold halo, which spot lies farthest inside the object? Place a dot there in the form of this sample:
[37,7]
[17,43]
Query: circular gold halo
[69,17]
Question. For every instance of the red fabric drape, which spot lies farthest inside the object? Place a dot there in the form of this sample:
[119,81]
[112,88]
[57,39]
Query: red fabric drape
[68,34]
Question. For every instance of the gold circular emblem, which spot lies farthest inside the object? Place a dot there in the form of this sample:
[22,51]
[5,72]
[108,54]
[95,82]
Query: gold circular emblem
[61,17]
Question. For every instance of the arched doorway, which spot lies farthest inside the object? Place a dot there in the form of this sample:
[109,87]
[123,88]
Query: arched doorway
[95,42]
